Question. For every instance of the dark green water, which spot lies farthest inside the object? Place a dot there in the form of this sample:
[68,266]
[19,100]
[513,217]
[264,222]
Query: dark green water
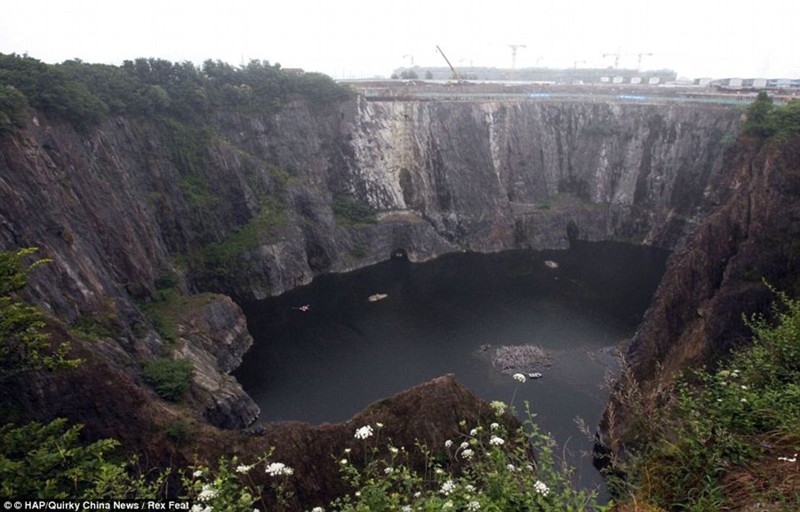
[327,363]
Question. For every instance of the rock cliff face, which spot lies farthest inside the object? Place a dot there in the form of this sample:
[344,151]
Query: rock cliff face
[716,276]
[246,205]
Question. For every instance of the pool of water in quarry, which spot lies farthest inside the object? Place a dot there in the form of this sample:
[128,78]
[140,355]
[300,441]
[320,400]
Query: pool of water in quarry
[345,352]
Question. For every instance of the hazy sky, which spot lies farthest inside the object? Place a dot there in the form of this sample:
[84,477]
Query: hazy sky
[354,38]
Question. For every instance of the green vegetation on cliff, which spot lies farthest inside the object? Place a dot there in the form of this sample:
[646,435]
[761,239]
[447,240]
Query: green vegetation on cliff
[85,94]
[25,346]
[728,437]
[764,119]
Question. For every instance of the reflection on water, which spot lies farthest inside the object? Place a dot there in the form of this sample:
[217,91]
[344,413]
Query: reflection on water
[326,362]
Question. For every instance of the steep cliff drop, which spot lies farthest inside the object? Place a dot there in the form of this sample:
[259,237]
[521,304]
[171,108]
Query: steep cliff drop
[143,217]
[715,278]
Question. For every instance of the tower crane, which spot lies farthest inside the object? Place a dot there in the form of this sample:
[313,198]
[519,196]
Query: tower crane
[514,48]
[618,55]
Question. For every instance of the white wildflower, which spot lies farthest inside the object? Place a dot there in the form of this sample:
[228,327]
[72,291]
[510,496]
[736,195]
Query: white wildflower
[388,470]
[541,488]
[197,474]
[472,506]
[317,509]
[447,505]
[343,462]
[494,426]
[379,425]
[464,445]
[447,487]
[364,432]
[207,493]
[498,406]
[417,494]
[496,441]
[278,469]
[405,508]
[469,487]
[511,467]
[473,432]
[243,468]
[467,454]
[394,450]
[745,388]
[347,450]
[448,443]
[519,377]
[743,400]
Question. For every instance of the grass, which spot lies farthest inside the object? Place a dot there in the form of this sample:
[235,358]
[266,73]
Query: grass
[728,437]
[218,259]
[353,213]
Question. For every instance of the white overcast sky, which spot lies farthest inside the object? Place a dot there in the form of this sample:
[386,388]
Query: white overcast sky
[363,38]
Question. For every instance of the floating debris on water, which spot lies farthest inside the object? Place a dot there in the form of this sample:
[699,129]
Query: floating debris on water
[378,296]
[528,359]
[550,264]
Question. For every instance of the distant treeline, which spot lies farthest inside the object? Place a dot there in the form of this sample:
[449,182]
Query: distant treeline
[85,94]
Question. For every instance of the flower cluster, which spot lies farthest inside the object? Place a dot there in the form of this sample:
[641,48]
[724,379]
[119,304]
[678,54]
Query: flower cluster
[541,488]
[447,487]
[499,407]
[207,494]
[498,474]
[364,432]
[278,469]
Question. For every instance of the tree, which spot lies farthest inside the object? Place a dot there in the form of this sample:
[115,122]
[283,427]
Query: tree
[13,109]
[758,116]
[24,346]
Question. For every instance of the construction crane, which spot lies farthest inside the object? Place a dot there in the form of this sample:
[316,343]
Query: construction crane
[514,48]
[455,73]
[639,60]
[618,55]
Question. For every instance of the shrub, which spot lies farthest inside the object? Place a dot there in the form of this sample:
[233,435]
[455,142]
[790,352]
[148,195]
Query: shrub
[741,419]
[170,378]
[486,467]
[46,461]
[13,109]
[352,213]
[24,346]
[178,431]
